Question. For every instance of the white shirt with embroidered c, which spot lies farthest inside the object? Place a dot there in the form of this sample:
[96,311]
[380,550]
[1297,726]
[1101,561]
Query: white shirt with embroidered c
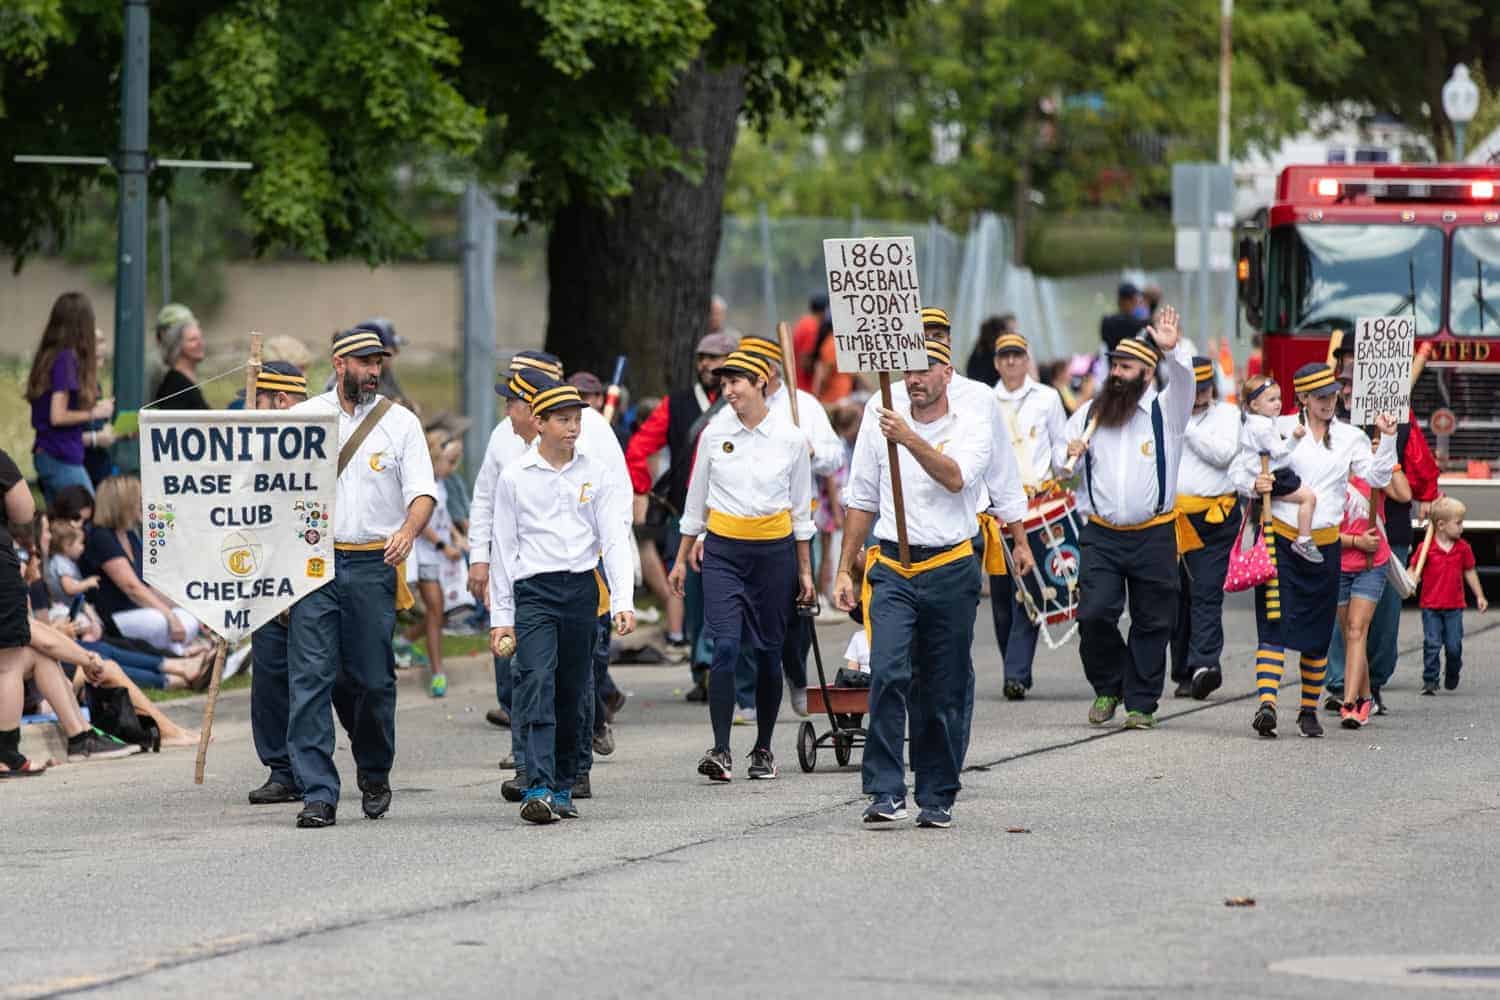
[550,520]
[1034,419]
[391,469]
[750,472]
[1212,442]
[1323,469]
[1122,489]
[935,517]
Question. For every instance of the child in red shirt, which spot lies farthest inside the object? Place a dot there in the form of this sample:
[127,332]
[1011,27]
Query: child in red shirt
[1450,565]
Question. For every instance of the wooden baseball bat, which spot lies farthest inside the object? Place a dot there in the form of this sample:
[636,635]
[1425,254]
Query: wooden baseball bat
[1088,432]
[1416,576]
[788,367]
[612,394]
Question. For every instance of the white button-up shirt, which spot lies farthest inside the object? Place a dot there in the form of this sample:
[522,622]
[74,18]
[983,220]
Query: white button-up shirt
[1212,440]
[750,472]
[1324,470]
[551,520]
[1033,418]
[935,517]
[391,469]
[827,447]
[965,395]
[1123,488]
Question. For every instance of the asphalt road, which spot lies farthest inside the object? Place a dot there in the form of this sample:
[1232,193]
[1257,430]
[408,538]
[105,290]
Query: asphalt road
[125,879]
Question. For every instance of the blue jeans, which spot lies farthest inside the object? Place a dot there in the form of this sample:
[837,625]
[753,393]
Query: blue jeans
[1381,642]
[142,668]
[53,475]
[1442,632]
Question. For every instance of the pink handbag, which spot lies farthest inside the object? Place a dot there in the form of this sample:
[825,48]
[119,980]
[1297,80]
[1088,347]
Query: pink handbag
[1249,566]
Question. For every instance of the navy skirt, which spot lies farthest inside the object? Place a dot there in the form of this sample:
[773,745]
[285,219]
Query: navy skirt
[749,589]
[1309,594]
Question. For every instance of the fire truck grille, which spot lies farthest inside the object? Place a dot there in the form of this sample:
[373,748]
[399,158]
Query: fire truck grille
[1474,397]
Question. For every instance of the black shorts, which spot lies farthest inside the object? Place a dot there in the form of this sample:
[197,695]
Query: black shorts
[15,626]
[1285,481]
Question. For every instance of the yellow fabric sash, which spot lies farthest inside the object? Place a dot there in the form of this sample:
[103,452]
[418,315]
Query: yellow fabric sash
[750,529]
[1320,536]
[1215,510]
[994,551]
[874,557]
[1159,519]
[603,608]
[404,599]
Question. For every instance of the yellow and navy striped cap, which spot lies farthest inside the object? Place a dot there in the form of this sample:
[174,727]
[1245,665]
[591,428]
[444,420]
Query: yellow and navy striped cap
[745,363]
[1315,379]
[548,364]
[1011,342]
[552,396]
[1203,370]
[526,369]
[523,385]
[1136,349]
[938,353]
[281,376]
[359,342]
[761,348]
[933,316]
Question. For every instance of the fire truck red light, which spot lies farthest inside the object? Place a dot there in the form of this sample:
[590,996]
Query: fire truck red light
[1328,187]
[1482,189]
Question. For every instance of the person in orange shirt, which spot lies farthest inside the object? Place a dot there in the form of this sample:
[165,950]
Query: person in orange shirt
[805,339]
[830,385]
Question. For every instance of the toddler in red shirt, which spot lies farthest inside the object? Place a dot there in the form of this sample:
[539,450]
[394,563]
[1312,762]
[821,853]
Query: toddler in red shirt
[1450,565]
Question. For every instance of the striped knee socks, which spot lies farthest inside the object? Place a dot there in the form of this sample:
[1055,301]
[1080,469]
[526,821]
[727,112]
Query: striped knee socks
[1313,669]
[1270,664]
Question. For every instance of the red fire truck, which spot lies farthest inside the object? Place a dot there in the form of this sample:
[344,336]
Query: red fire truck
[1342,242]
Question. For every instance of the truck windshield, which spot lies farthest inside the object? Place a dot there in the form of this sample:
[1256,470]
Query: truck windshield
[1325,276]
[1474,308]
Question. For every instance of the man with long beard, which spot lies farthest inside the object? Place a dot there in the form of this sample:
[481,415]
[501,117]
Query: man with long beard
[1129,545]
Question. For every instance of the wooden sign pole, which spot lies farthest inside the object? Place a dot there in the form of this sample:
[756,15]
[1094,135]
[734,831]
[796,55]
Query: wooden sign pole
[897,500]
[221,647]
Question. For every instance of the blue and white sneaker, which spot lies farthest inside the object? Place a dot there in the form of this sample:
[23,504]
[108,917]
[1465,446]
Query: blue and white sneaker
[536,806]
[935,817]
[562,804]
[885,809]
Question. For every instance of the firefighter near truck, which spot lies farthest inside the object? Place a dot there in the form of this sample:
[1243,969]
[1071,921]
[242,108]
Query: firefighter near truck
[1341,243]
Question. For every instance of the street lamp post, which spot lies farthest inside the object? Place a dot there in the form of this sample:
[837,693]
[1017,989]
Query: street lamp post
[1460,102]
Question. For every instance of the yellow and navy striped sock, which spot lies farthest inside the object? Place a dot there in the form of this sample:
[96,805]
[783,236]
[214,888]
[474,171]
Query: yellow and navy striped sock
[1270,664]
[1313,669]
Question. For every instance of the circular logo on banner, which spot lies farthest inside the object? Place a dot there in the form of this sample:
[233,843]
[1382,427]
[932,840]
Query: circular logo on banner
[240,553]
[1443,422]
[728,447]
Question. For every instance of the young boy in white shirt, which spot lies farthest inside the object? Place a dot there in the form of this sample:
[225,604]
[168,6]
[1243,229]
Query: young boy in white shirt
[553,522]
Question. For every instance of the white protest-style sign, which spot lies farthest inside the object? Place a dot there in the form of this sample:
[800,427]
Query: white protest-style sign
[875,304]
[1383,352]
[237,511]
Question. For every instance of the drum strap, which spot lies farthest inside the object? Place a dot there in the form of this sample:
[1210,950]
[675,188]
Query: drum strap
[1010,411]
[1163,503]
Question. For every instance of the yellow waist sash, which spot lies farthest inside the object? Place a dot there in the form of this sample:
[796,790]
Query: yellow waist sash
[1320,536]
[994,551]
[750,529]
[874,557]
[603,608]
[404,599]
[1215,510]
[1159,519]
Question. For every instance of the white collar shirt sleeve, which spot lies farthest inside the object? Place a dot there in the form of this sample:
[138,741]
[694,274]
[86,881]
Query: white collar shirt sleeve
[1326,471]
[1212,441]
[504,446]
[597,439]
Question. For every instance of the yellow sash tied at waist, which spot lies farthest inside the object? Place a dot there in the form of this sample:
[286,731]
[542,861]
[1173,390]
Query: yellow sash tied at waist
[1320,536]
[1159,519]
[750,529]
[603,608]
[994,545]
[1215,510]
[874,557]
[404,599]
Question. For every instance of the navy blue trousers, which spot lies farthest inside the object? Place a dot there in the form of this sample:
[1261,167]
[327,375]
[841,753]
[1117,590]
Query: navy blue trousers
[920,664]
[1198,639]
[1014,632]
[271,700]
[342,632]
[556,629]
[1115,565]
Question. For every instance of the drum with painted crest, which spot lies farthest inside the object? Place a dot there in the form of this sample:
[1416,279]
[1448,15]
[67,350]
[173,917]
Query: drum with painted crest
[1049,595]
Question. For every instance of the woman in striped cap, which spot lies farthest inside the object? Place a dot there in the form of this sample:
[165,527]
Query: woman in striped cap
[751,492]
[1298,608]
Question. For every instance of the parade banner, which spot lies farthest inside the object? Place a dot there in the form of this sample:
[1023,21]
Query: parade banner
[1383,351]
[875,304]
[237,511]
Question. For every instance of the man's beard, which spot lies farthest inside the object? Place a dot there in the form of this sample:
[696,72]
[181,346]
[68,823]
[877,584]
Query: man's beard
[709,381]
[1118,399]
[355,392]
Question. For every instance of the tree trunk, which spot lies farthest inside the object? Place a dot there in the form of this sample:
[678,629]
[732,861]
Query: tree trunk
[635,277]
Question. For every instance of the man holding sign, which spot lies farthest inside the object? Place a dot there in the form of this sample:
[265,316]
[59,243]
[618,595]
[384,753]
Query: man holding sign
[384,496]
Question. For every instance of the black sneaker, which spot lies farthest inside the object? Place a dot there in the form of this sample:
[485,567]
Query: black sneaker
[1429,689]
[716,765]
[762,765]
[1450,679]
[698,692]
[1184,689]
[1380,708]
[375,798]
[581,789]
[885,809]
[94,745]
[272,792]
[1206,680]
[1015,691]
[935,818]
[1265,721]
[1333,701]
[1308,724]
[316,815]
[512,789]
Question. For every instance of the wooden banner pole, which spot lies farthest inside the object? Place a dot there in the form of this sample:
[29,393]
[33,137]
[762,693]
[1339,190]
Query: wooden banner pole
[220,647]
[897,500]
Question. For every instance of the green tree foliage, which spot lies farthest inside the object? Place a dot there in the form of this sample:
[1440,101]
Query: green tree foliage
[327,99]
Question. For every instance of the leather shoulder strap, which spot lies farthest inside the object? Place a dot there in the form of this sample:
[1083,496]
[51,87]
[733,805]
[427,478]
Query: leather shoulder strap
[346,453]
